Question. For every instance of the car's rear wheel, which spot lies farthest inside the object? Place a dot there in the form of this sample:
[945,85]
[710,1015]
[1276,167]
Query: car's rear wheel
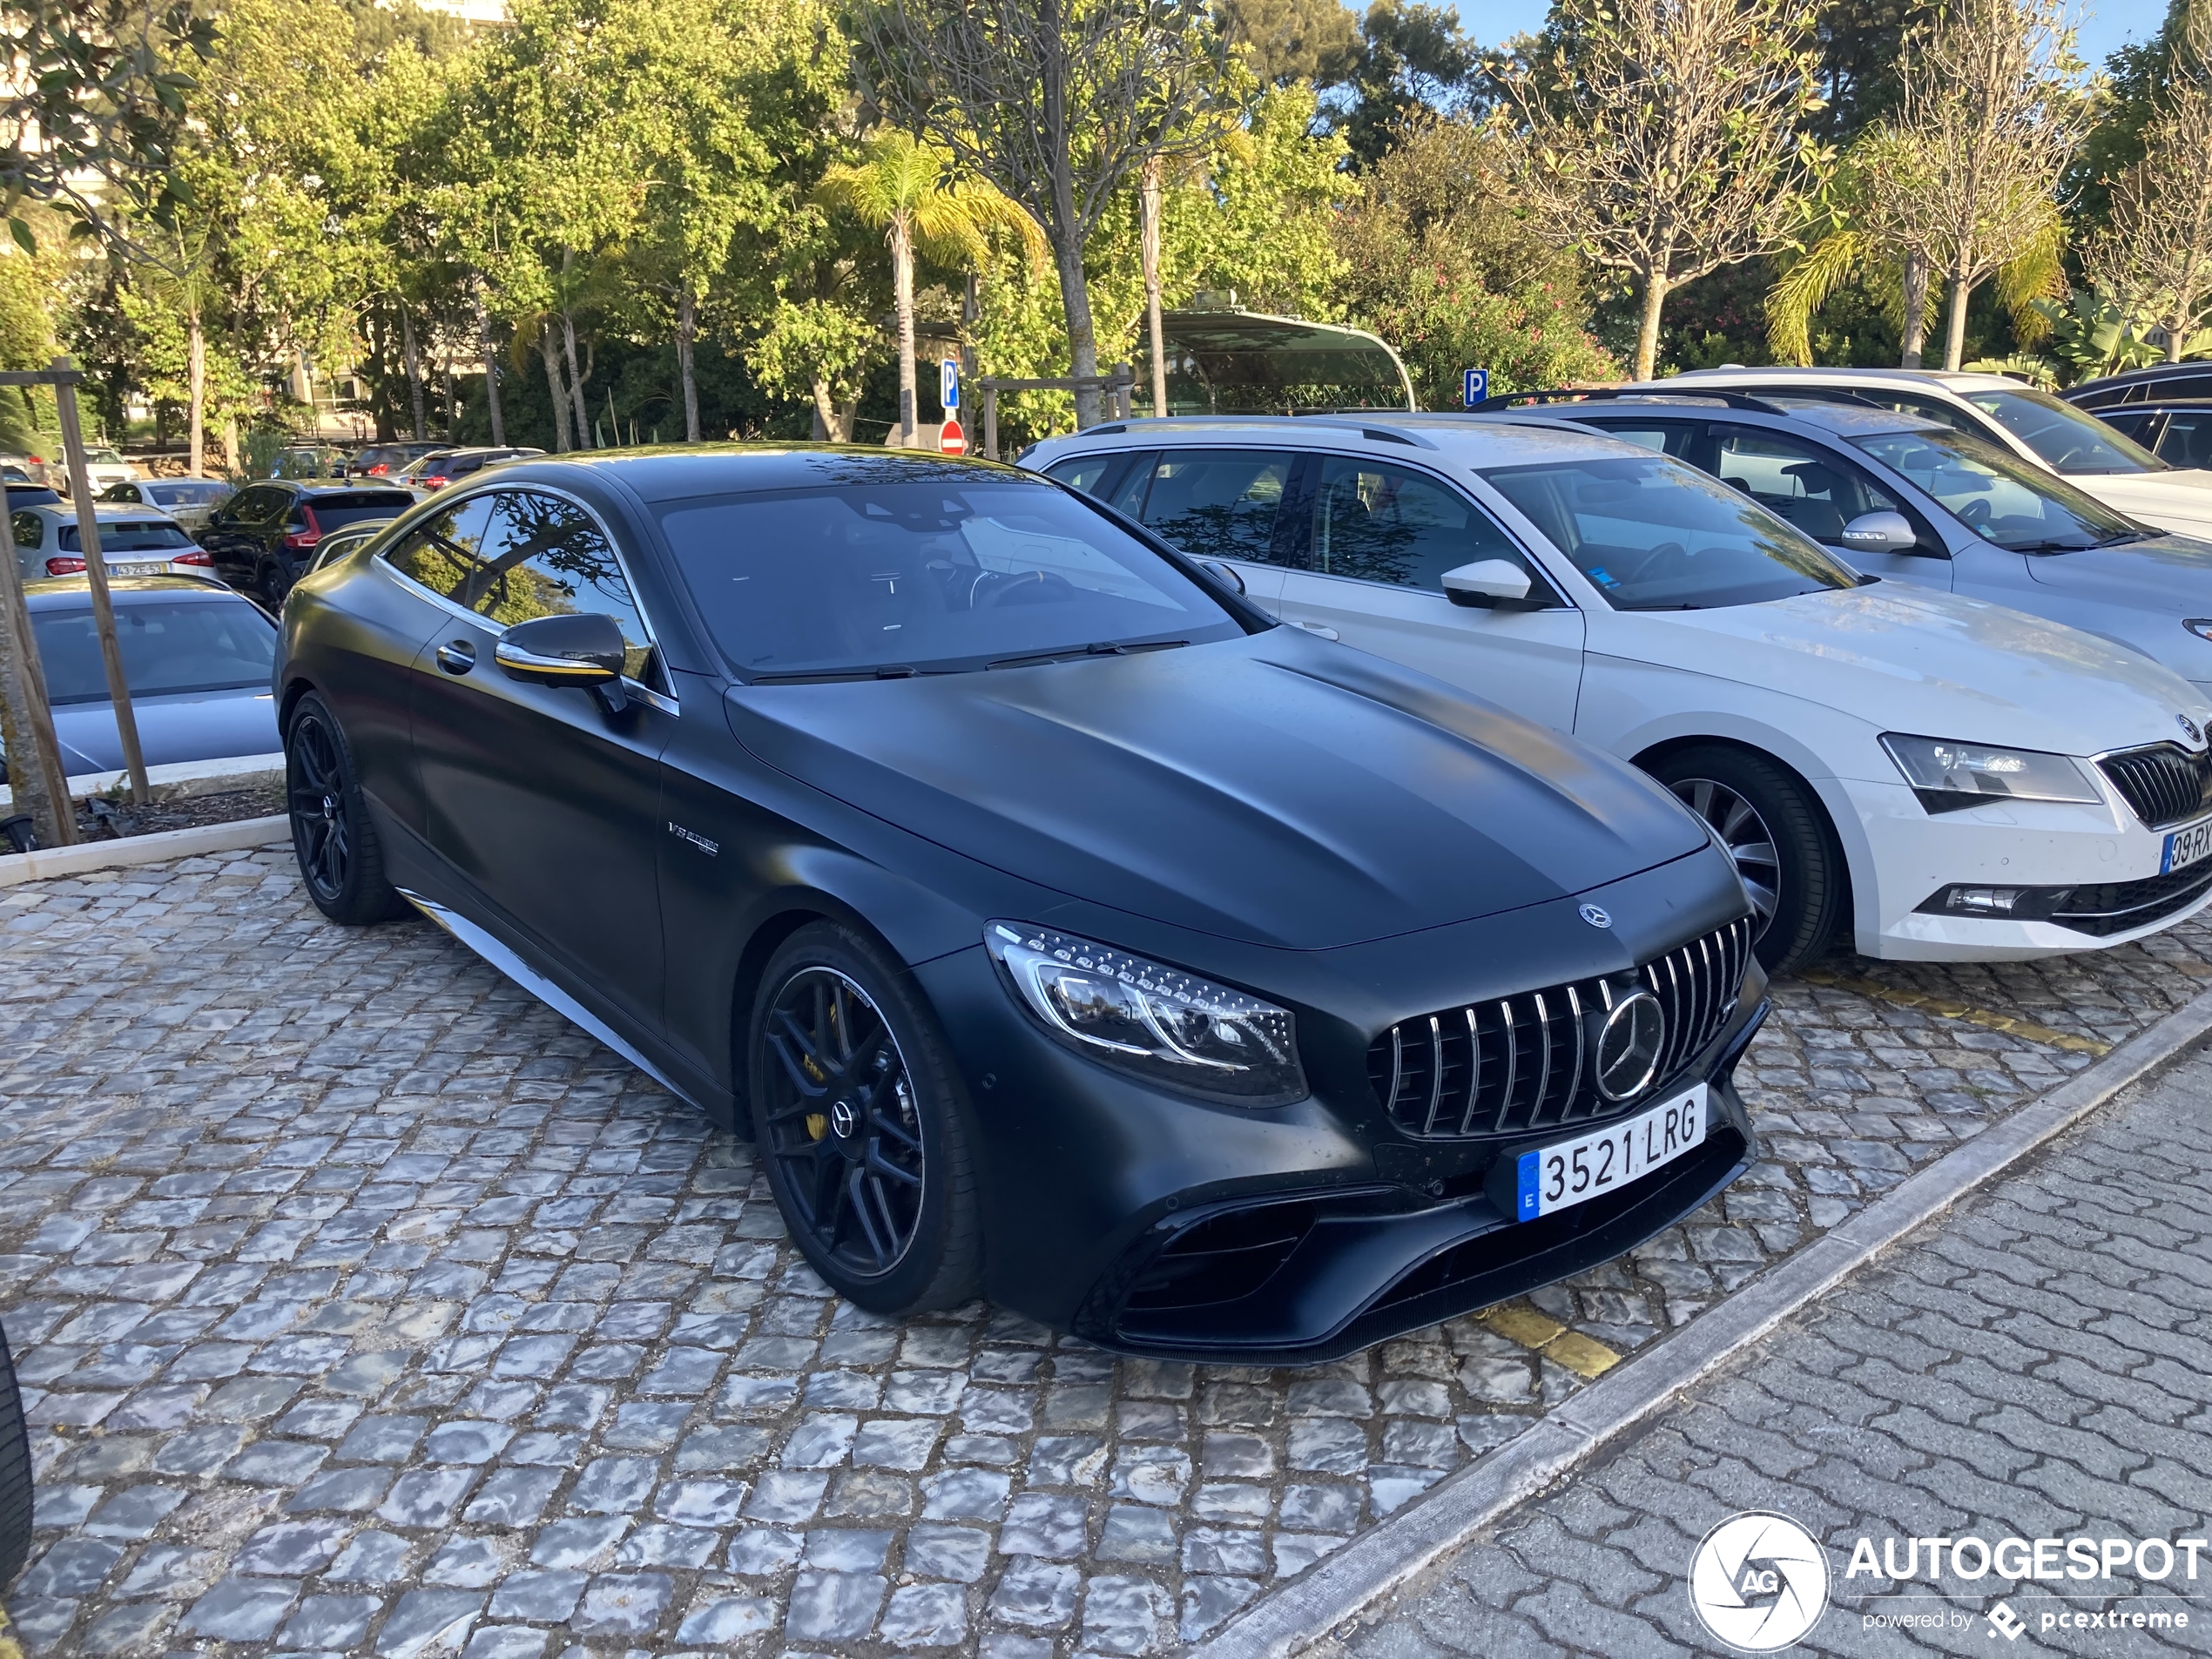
[341,859]
[1778,836]
[14,1473]
[859,1123]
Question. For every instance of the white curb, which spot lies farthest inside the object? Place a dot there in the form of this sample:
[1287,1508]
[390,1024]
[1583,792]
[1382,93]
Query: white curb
[1396,1549]
[184,777]
[16,868]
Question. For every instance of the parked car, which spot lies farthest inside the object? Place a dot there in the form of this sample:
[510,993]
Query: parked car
[191,501]
[262,538]
[381,460]
[339,544]
[2188,382]
[1945,779]
[196,657]
[134,541]
[308,461]
[443,467]
[2180,433]
[25,495]
[2009,413]
[762,765]
[103,466]
[1912,501]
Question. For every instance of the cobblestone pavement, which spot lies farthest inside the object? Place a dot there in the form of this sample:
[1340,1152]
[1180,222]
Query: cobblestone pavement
[2037,1365]
[364,1305]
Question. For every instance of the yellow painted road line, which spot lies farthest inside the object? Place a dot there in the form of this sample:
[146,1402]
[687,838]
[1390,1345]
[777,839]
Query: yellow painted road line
[1518,1322]
[2026,1029]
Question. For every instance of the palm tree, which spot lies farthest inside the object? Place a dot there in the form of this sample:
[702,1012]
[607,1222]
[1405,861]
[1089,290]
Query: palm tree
[909,188]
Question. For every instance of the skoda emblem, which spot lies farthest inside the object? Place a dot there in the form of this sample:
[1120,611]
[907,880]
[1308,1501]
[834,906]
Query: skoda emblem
[1628,1044]
[2189,728]
[1595,917]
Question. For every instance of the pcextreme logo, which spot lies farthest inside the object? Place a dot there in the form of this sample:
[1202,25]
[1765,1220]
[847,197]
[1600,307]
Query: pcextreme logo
[1759,1581]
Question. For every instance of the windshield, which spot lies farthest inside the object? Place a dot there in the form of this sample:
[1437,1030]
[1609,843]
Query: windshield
[1653,534]
[184,493]
[332,511]
[932,575]
[101,458]
[2068,439]
[192,646]
[2001,498]
[144,536]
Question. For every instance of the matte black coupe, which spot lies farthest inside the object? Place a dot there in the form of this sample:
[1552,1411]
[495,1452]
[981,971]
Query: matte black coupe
[1062,928]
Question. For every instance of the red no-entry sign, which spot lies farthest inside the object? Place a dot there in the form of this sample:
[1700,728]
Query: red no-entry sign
[952,441]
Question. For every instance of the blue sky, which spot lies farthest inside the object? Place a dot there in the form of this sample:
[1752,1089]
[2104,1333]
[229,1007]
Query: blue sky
[2105,27]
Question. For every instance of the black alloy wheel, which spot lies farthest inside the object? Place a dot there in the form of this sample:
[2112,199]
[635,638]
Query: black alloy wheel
[857,1118]
[1778,837]
[340,858]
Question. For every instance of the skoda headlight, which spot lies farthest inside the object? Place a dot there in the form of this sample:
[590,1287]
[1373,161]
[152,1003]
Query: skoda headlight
[1159,1023]
[1948,776]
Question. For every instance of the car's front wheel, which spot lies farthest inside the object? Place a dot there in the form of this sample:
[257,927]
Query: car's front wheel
[1778,836]
[858,1120]
[341,859]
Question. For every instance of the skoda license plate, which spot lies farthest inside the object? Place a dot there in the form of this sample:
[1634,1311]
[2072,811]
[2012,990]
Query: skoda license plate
[2186,846]
[1571,1172]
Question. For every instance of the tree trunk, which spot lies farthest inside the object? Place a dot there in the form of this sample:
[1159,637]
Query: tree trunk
[233,461]
[1654,298]
[832,424]
[1150,252]
[414,361]
[1083,339]
[1916,309]
[551,354]
[687,328]
[491,373]
[576,383]
[902,301]
[196,390]
[1954,334]
[453,402]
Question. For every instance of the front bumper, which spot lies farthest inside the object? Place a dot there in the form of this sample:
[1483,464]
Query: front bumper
[1149,1224]
[2102,857]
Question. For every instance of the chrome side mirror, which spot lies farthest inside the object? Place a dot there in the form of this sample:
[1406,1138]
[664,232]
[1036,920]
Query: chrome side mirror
[1487,583]
[1879,533]
[583,649]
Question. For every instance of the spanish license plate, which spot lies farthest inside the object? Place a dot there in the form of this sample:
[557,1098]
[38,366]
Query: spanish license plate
[160,569]
[2186,846]
[1567,1173]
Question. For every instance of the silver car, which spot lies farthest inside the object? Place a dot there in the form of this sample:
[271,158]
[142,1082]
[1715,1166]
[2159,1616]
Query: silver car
[134,541]
[189,501]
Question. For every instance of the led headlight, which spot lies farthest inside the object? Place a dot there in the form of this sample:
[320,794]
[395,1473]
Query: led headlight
[1159,1023]
[1948,776]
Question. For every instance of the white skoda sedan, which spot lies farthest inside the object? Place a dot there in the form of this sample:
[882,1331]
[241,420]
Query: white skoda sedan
[1950,780]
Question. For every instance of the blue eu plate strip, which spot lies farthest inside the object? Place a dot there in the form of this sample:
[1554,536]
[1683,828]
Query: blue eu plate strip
[1531,1163]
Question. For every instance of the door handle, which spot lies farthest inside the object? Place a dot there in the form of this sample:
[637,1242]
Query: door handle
[456,656]
[1316,628]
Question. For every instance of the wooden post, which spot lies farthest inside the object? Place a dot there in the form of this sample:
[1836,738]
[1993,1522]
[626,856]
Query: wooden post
[991,421]
[88,531]
[36,774]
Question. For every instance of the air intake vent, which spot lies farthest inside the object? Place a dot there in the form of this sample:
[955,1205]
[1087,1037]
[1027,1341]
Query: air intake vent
[1529,1061]
[2164,784]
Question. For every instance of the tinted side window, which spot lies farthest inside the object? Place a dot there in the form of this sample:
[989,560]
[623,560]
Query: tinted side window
[30,530]
[1812,489]
[2130,423]
[1219,503]
[1085,473]
[1385,523]
[544,556]
[443,551]
[1661,437]
[2186,441]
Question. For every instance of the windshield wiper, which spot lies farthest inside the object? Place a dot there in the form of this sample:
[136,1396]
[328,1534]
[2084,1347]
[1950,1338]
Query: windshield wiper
[2052,547]
[1078,653]
[809,677]
[2124,537]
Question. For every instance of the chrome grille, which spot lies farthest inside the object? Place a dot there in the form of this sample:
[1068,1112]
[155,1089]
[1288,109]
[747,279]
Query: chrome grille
[1522,1062]
[2163,784]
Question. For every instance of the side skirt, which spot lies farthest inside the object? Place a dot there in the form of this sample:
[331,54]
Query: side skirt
[537,984]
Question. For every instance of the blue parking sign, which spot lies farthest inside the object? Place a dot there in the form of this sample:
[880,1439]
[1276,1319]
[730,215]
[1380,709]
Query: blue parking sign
[948,383]
[1476,388]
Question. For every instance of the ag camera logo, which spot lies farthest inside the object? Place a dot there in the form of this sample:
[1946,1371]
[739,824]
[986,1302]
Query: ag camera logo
[1759,1581]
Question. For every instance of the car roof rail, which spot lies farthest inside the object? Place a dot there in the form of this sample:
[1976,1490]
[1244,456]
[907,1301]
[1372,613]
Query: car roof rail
[1624,393]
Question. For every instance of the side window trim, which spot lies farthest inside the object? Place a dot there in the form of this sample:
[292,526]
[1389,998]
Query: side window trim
[664,700]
